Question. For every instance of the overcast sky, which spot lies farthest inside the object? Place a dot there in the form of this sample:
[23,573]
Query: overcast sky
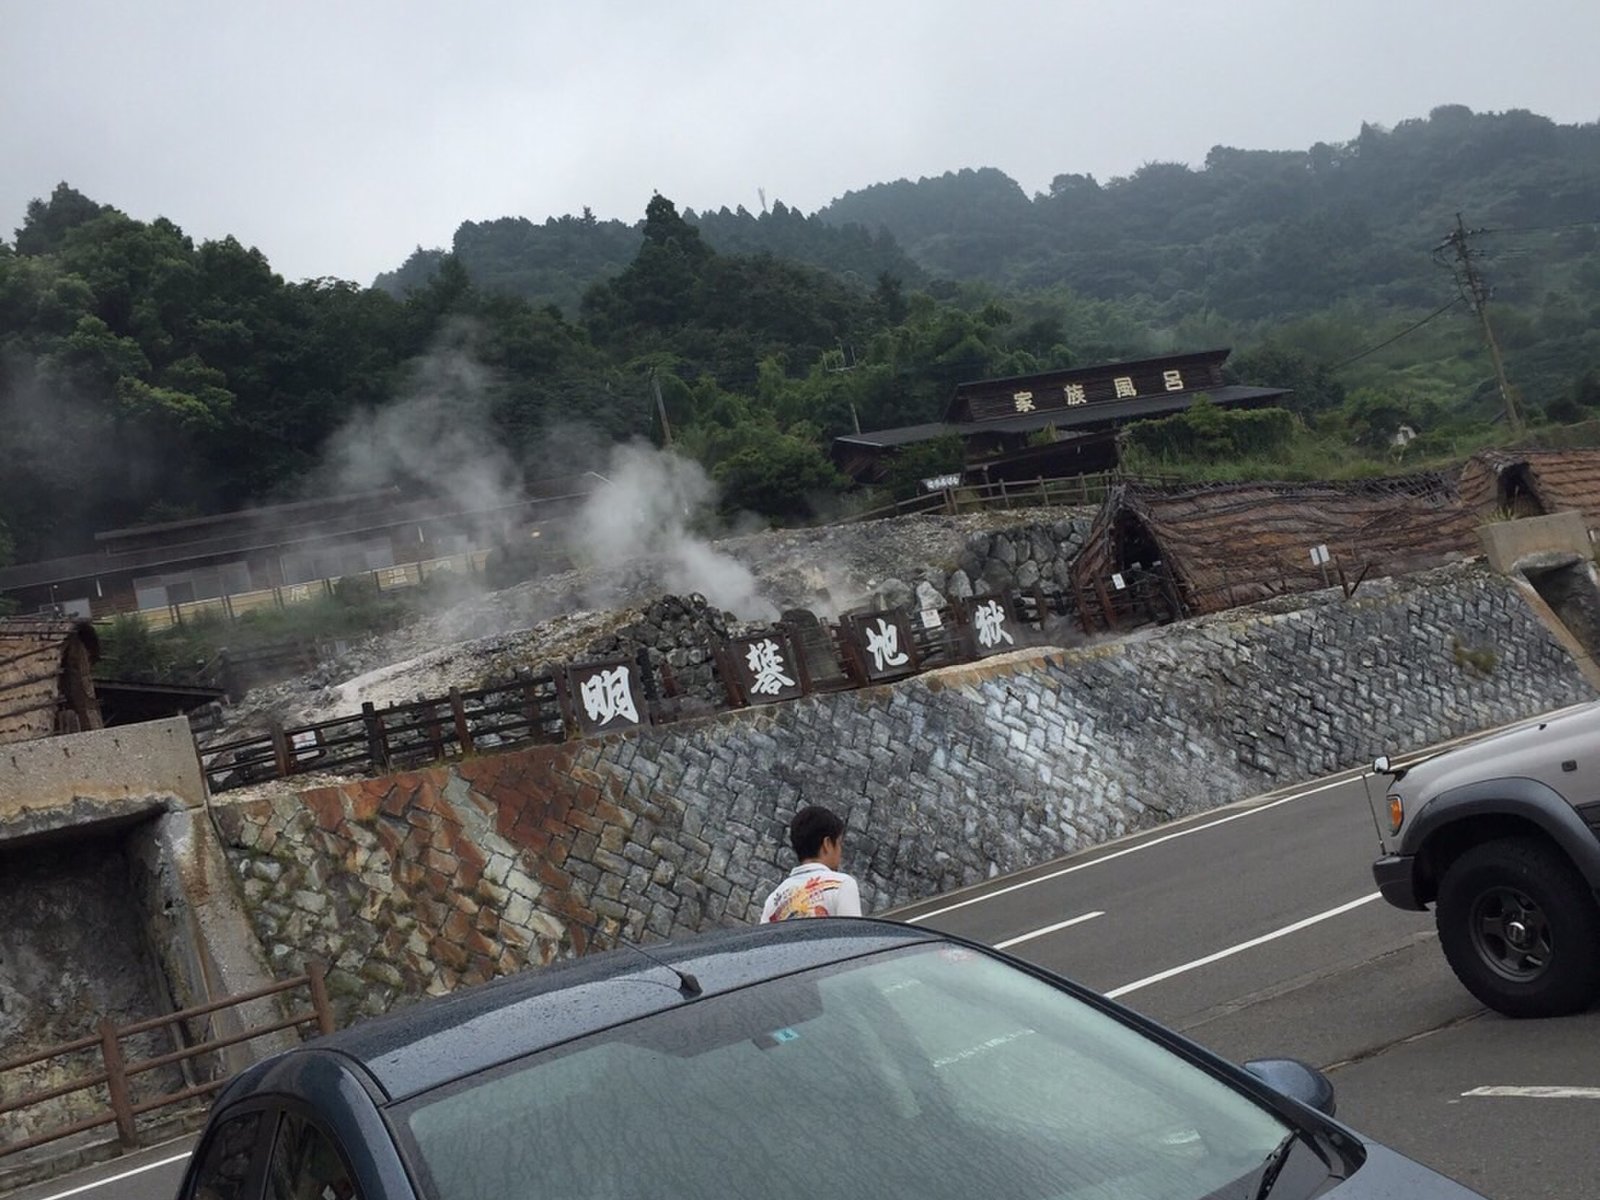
[338,136]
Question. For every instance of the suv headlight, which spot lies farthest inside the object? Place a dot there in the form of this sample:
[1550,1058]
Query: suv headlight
[1397,812]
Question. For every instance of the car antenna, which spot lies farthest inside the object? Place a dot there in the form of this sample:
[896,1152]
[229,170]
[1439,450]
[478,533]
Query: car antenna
[687,983]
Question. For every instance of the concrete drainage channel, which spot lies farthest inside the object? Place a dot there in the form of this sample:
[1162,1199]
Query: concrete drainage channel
[120,914]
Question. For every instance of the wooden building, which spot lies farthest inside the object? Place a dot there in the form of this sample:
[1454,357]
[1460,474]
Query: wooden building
[1058,423]
[1183,551]
[46,684]
[278,546]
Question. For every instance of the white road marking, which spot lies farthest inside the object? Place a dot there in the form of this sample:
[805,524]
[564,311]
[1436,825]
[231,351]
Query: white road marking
[1028,937]
[100,1183]
[1145,845]
[1539,1093]
[1242,946]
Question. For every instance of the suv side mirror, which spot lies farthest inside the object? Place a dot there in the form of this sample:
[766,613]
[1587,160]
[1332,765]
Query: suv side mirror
[1380,765]
[1297,1080]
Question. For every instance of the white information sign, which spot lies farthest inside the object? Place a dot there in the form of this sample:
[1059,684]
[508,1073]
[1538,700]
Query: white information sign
[931,619]
[1319,555]
[1118,582]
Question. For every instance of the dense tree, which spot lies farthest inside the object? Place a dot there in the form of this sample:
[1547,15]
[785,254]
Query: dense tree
[142,374]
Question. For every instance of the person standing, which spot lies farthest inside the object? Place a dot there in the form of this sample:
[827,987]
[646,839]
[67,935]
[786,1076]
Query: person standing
[817,887]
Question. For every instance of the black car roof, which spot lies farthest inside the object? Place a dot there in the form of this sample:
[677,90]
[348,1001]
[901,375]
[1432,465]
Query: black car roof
[439,1040]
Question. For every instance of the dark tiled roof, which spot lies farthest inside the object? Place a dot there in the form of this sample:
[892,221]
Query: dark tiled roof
[1103,413]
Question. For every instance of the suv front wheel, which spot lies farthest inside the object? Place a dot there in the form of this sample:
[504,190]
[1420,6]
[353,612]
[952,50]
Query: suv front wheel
[1520,928]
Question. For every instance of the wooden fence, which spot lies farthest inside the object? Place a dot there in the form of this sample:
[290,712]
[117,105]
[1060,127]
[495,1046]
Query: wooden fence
[116,1070]
[1069,490]
[230,607]
[396,737]
[817,656]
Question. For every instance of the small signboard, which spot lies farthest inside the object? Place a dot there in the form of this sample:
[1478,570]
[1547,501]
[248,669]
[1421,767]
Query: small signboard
[940,483]
[883,642]
[1117,581]
[931,619]
[767,667]
[1319,556]
[606,697]
[993,623]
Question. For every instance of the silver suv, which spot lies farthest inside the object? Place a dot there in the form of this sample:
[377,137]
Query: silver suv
[1502,836]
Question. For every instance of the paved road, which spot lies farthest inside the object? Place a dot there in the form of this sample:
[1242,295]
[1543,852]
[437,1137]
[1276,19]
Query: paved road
[1255,930]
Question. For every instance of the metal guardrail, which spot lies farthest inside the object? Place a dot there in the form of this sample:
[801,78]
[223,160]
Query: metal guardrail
[116,1070]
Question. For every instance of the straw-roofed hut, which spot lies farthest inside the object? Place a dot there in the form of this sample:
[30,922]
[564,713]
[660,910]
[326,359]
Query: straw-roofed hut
[1215,546]
[45,681]
[1532,483]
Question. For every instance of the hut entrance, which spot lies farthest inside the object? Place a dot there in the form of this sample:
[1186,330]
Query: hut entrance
[1517,495]
[1152,594]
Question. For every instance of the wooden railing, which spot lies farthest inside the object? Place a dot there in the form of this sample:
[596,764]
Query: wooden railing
[542,707]
[116,1071]
[396,737]
[1068,490]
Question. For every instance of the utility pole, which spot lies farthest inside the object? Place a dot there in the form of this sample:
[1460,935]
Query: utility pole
[661,408]
[1476,293]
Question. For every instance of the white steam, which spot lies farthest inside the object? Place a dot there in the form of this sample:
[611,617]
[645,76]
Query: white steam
[645,514]
[434,437]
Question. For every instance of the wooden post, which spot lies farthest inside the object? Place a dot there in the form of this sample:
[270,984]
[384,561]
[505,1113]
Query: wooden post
[569,716]
[316,977]
[459,712]
[1105,603]
[435,734]
[117,1083]
[669,681]
[377,742]
[530,706]
[729,676]
[797,655]
[280,751]
[1005,500]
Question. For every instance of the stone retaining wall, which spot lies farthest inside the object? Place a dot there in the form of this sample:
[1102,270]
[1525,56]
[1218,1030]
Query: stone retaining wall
[424,881]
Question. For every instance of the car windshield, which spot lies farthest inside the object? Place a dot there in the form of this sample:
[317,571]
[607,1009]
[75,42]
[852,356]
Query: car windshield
[928,1073]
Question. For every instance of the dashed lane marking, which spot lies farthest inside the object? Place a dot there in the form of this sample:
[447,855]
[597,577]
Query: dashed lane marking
[1306,923]
[1038,933]
[1539,1093]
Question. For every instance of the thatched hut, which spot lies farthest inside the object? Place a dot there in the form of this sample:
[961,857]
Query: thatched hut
[1208,547]
[45,682]
[1533,483]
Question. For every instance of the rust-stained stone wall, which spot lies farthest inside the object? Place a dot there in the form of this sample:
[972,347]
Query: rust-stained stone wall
[424,881]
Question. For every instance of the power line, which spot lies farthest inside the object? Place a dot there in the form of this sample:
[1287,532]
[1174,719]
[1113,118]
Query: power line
[1590,224]
[1409,329]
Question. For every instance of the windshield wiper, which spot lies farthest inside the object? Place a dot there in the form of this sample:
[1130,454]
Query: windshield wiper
[1274,1164]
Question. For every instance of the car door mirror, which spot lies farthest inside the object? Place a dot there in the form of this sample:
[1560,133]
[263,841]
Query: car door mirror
[1380,765]
[1297,1080]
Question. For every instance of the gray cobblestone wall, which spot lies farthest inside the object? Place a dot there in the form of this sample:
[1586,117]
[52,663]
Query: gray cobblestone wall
[425,881]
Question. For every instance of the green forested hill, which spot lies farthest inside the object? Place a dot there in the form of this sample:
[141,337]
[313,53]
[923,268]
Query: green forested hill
[146,376]
[1257,233]
[557,261]
[1324,250]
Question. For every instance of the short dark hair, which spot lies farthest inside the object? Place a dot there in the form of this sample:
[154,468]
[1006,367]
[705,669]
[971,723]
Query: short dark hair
[812,826]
